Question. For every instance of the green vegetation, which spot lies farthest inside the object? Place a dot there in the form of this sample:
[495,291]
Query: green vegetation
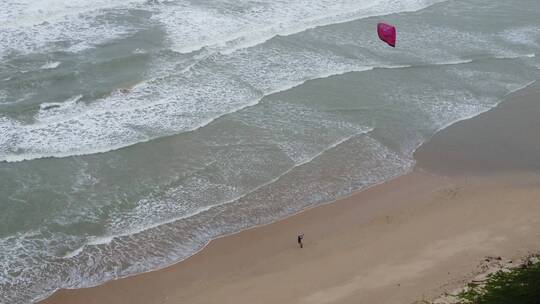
[517,286]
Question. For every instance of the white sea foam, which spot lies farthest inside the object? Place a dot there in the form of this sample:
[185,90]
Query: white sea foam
[165,106]
[73,253]
[150,110]
[516,56]
[48,107]
[21,13]
[50,65]
[77,32]
[522,36]
[139,51]
[227,28]
[157,109]
[151,221]
[28,26]
[3,96]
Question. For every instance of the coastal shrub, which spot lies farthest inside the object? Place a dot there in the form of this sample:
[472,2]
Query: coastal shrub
[517,286]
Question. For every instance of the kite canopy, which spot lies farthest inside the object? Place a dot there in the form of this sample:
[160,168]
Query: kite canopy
[387,33]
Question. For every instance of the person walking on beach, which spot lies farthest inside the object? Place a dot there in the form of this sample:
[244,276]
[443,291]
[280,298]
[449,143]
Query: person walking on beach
[300,238]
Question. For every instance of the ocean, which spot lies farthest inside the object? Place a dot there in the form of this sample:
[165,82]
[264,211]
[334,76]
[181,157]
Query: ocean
[133,132]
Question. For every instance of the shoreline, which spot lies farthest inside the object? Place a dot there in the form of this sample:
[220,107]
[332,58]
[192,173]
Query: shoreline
[420,177]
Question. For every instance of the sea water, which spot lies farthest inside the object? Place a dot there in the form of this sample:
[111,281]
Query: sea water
[132,132]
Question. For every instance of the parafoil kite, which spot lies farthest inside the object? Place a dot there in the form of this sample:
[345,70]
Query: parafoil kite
[387,33]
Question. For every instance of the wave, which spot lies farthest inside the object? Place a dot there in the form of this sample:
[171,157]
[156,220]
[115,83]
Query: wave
[527,36]
[70,120]
[531,55]
[232,32]
[28,13]
[29,26]
[109,238]
[50,65]
[10,125]
[111,124]
[45,26]
[47,106]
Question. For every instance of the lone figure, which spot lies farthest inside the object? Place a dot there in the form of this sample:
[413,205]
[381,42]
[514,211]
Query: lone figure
[300,238]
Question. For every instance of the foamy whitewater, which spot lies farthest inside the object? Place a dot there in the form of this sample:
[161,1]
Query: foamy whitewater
[132,132]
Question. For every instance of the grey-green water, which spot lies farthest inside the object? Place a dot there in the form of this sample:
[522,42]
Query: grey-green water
[133,132]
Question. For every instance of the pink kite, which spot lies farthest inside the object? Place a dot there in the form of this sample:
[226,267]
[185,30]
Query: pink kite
[387,33]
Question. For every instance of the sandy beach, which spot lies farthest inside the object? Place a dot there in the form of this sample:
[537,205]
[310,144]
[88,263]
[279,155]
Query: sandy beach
[474,193]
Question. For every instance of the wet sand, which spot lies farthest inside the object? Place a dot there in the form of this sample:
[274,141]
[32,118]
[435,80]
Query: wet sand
[475,193]
[506,138]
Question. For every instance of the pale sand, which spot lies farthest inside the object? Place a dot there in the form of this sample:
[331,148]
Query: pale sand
[418,235]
